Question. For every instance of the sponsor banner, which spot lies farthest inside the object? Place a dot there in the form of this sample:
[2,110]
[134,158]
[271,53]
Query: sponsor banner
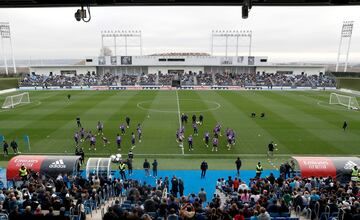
[339,168]
[133,87]
[57,87]
[187,87]
[3,180]
[285,88]
[100,87]
[219,87]
[316,166]
[80,88]
[226,60]
[56,165]
[102,61]
[251,61]
[254,87]
[49,165]
[30,162]
[344,167]
[235,88]
[150,87]
[113,60]
[202,87]
[117,87]
[26,88]
[166,88]
[126,60]
[240,60]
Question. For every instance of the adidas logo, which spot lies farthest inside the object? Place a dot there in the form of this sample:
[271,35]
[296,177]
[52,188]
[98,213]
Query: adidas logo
[57,164]
[349,165]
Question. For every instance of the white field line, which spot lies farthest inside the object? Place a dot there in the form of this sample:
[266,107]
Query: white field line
[178,110]
[210,155]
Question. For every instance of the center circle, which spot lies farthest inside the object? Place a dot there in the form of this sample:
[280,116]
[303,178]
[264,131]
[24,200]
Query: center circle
[186,106]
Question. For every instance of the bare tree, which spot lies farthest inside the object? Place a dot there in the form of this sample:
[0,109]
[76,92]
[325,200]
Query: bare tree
[105,51]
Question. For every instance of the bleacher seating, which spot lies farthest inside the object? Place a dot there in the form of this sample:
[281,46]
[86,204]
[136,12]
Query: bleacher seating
[186,79]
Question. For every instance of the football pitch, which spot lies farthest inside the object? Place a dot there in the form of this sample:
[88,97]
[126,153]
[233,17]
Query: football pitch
[300,122]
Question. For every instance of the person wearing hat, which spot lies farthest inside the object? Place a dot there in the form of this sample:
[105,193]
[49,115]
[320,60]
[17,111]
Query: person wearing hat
[23,173]
[259,170]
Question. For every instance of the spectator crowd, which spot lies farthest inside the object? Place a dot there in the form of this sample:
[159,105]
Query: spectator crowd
[260,199]
[67,80]
[41,197]
[186,79]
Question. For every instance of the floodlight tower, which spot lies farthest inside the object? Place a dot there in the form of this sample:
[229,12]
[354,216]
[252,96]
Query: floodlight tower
[5,34]
[346,32]
[226,34]
[122,34]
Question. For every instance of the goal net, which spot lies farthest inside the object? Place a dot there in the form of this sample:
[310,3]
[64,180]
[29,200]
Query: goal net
[348,101]
[12,101]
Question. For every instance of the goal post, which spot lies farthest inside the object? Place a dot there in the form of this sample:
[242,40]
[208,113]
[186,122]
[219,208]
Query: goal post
[348,101]
[13,100]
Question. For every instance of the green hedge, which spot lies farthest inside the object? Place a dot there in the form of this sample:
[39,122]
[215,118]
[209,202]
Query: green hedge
[8,83]
[348,83]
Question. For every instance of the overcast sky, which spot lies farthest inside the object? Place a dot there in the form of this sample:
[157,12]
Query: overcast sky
[281,33]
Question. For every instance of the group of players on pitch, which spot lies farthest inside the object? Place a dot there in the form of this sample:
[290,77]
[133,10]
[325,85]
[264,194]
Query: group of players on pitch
[83,136]
[180,134]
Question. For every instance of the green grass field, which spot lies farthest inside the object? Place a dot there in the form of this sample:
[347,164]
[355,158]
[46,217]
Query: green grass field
[8,83]
[300,122]
[348,83]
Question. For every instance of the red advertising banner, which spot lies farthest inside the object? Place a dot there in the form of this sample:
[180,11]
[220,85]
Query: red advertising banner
[32,163]
[49,165]
[316,166]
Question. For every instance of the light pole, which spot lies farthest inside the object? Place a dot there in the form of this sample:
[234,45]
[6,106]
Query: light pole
[122,34]
[5,34]
[346,32]
[226,35]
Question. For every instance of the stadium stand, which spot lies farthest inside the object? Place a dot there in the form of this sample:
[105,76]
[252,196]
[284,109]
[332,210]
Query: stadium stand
[166,79]
[129,79]
[187,79]
[205,79]
[148,79]
[268,198]
[90,79]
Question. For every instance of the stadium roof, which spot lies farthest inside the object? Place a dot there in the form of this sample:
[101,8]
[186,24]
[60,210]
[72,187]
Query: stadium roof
[70,3]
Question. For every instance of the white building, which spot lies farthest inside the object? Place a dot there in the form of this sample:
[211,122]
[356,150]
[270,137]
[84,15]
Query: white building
[177,63]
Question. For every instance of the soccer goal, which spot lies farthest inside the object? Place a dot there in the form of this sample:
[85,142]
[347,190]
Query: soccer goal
[12,101]
[348,101]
